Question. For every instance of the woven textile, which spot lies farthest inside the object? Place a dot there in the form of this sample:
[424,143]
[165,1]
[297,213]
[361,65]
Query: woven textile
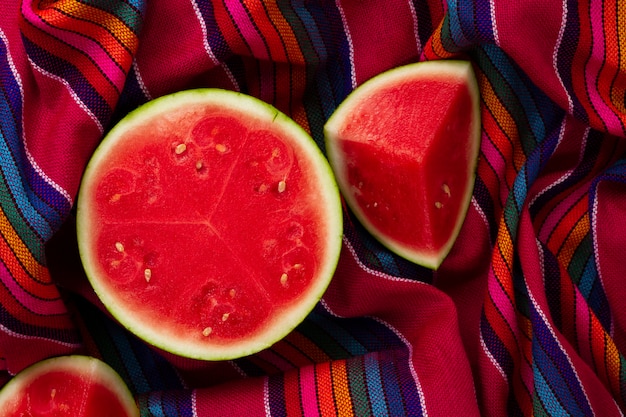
[526,316]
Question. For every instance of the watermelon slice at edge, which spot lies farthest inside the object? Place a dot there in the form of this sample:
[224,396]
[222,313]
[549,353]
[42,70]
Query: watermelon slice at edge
[77,385]
[370,94]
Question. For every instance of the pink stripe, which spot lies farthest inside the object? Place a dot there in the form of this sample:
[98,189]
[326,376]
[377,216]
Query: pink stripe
[501,300]
[557,214]
[247,29]
[308,392]
[583,327]
[33,304]
[82,43]
[593,69]
[498,163]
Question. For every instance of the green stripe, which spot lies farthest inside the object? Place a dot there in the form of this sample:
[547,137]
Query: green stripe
[358,387]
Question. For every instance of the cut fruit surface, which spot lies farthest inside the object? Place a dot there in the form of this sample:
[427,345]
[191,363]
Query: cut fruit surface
[209,223]
[404,147]
[67,386]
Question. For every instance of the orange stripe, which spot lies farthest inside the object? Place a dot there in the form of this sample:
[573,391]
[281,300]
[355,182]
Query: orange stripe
[341,388]
[89,22]
[25,270]
[325,390]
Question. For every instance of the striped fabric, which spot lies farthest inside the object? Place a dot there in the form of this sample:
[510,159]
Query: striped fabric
[527,315]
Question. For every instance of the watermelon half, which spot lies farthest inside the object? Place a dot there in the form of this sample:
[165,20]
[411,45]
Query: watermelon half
[67,386]
[209,223]
[404,147]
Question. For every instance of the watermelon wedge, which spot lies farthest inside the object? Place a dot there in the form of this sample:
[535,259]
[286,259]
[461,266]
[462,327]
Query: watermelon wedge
[67,386]
[209,223]
[404,147]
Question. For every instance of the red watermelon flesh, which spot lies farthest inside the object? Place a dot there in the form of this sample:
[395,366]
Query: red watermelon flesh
[68,386]
[215,227]
[404,149]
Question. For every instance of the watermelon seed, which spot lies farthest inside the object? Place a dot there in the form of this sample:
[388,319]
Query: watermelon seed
[232,293]
[282,186]
[438,204]
[180,148]
[199,165]
[283,279]
[225,316]
[446,189]
[53,393]
[262,188]
[207,331]
[220,147]
[147,273]
[119,246]
[115,198]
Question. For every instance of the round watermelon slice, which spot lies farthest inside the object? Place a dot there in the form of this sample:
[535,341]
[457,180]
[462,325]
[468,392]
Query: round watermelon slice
[209,223]
[404,147]
[67,386]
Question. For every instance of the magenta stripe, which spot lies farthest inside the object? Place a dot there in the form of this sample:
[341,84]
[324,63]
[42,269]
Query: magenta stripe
[494,158]
[308,393]
[246,27]
[557,214]
[500,299]
[82,43]
[592,70]
[33,304]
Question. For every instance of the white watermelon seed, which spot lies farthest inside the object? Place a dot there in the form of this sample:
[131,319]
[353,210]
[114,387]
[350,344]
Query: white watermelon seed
[119,246]
[207,331]
[220,147]
[225,316]
[180,148]
[438,204]
[147,273]
[446,189]
[283,279]
[282,186]
[232,293]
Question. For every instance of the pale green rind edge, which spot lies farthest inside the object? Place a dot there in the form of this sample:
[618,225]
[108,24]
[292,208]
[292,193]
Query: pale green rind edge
[336,120]
[290,318]
[77,364]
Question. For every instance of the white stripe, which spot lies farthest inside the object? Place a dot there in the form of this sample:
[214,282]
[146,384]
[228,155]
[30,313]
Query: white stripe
[408,344]
[570,104]
[207,47]
[29,156]
[142,85]
[350,45]
[418,42]
[492,10]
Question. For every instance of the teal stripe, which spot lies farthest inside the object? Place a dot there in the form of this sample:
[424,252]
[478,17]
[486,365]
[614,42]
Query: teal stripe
[341,335]
[545,394]
[32,241]
[375,385]
[14,186]
[358,387]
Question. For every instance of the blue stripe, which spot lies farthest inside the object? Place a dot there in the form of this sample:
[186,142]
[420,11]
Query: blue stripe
[543,391]
[552,361]
[454,20]
[391,383]
[375,386]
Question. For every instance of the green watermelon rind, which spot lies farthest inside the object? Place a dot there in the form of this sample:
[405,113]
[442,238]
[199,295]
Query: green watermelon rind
[97,371]
[291,316]
[342,112]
